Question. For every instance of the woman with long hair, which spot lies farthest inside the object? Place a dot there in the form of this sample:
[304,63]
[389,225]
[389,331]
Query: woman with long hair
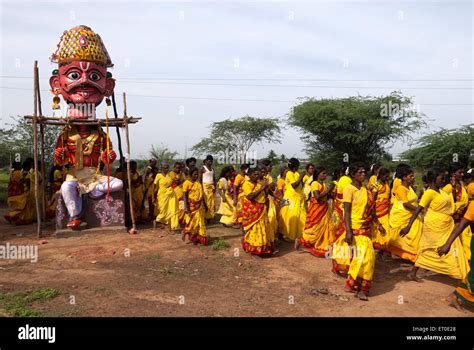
[226,206]
[381,190]
[405,203]
[357,245]
[318,233]
[456,188]
[293,213]
[194,208]
[258,239]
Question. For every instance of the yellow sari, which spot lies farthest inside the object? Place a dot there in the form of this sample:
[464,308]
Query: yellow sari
[17,199]
[437,227]
[55,187]
[318,231]
[465,291]
[372,182]
[238,183]
[272,210]
[137,196]
[167,202]
[210,199]
[280,189]
[396,182]
[31,200]
[339,228]
[178,190]
[382,210]
[360,256]
[460,205]
[405,247]
[226,209]
[258,239]
[294,212]
[195,222]
[338,212]
[150,196]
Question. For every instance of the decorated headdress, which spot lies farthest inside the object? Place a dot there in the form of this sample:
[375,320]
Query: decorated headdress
[81,44]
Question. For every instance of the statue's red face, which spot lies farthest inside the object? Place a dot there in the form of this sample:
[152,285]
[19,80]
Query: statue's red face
[82,82]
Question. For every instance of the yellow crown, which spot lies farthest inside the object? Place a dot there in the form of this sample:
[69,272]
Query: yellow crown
[81,44]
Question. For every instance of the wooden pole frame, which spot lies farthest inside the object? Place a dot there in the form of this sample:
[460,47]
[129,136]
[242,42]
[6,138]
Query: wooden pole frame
[127,158]
[119,138]
[35,150]
[38,118]
[43,164]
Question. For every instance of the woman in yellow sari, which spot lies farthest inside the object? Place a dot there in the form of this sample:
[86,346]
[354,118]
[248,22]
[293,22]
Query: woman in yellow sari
[381,190]
[137,192]
[437,227]
[307,179]
[226,206]
[178,177]
[208,184]
[239,180]
[166,201]
[461,200]
[266,174]
[56,178]
[397,180]
[18,190]
[358,219]
[195,208]
[405,203]
[340,266]
[293,212]
[258,239]
[280,191]
[465,292]
[374,174]
[318,232]
[150,194]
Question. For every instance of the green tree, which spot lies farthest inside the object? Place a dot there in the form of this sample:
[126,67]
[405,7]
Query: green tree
[16,141]
[355,128]
[272,157]
[237,136]
[163,154]
[443,147]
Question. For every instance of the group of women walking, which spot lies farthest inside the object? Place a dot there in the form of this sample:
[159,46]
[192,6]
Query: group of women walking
[347,219]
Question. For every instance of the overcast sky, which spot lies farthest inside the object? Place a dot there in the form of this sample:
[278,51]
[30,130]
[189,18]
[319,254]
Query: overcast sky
[187,64]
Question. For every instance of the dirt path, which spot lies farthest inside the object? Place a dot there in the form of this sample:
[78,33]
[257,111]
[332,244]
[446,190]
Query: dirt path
[155,274]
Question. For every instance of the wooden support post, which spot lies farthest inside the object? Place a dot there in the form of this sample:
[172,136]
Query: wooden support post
[119,138]
[43,164]
[35,150]
[127,158]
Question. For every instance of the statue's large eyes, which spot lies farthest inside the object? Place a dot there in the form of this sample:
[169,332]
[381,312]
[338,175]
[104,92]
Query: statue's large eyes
[74,75]
[94,76]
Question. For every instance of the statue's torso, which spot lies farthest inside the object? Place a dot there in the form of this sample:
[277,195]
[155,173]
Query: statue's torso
[84,147]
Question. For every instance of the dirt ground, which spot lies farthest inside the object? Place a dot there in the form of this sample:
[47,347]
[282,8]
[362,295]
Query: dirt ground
[155,274]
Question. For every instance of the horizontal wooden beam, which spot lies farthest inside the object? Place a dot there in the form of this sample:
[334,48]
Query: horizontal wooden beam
[64,121]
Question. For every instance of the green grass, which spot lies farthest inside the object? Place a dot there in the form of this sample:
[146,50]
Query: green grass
[4,178]
[18,304]
[154,256]
[219,244]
